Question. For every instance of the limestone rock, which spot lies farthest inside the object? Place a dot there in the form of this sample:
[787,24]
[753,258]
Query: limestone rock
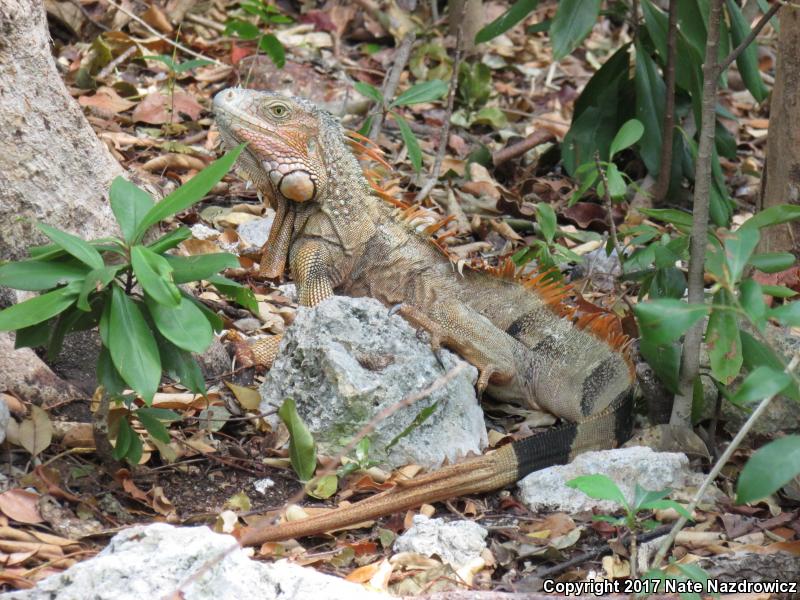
[346,360]
[455,542]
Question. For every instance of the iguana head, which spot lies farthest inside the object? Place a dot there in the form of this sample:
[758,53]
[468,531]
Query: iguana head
[284,155]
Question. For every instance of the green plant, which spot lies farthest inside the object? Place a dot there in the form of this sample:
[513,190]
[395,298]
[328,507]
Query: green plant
[129,289]
[474,89]
[601,487]
[176,68]
[266,16]
[426,91]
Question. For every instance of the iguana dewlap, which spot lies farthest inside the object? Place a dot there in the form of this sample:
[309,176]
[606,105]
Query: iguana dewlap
[337,234]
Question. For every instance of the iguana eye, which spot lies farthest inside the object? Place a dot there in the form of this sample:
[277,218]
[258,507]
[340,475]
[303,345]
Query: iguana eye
[278,110]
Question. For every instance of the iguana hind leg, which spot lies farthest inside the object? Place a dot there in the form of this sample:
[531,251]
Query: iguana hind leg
[465,331]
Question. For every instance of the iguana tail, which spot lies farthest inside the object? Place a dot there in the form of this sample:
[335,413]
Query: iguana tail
[492,471]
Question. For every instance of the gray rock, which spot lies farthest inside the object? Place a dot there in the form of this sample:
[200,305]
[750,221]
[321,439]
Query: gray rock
[5,415]
[152,561]
[214,360]
[455,542]
[254,233]
[346,361]
[247,324]
[547,490]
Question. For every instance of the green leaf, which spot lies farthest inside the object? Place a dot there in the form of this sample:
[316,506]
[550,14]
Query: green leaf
[414,151]
[766,262]
[34,336]
[237,292]
[665,359]
[774,215]
[666,504]
[738,248]
[242,29]
[154,274]
[681,219]
[630,133]
[418,420]
[599,487]
[427,91]
[769,469]
[787,314]
[170,240]
[302,449]
[642,496]
[132,345]
[190,192]
[35,275]
[274,49]
[778,291]
[757,354]
[323,487]
[518,11]
[546,218]
[38,309]
[760,383]
[216,322]
[125,434]
[181,366]
[73,245]
[490,115]
[656,23]
[184,325]
[188,65]
[96,280]
[201,266]
[692,22]
[616,184]
[107,374]
[722,339]
[665,320]
[650,100]
[370,91]
[573,22]
[747,61]
[751,297]
[129,204]
[152,423]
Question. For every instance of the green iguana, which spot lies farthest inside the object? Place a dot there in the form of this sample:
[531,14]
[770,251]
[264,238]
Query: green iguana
[529,344]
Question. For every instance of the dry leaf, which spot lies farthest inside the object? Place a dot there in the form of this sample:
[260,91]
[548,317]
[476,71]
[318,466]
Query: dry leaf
[248,398]
[107,100]
[20,505]
[36,432]
[616,567]
[174,161]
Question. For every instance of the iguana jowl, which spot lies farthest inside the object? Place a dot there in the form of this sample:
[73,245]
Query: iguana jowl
[337,234]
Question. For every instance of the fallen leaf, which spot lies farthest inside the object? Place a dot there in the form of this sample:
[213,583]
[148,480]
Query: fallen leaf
[156,108]
[36,432]
[20,505]
[107,100]
[248,398]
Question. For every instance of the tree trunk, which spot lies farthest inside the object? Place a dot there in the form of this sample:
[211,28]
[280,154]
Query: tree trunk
[52,166]
[781,183]
[52,169]
[467,14]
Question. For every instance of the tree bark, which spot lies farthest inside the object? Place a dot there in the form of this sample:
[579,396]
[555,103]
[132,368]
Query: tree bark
[52,166]
[690,359]
[467,14]
[781,182]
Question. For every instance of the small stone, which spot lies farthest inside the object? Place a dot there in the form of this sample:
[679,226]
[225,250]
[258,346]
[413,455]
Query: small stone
[247,324]
[234,219]
[455,542]
[254,233]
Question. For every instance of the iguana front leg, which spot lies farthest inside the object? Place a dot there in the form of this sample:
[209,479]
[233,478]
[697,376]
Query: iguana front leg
[311,270]
[469,334]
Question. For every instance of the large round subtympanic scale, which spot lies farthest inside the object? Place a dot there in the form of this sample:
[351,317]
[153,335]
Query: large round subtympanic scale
[298,186]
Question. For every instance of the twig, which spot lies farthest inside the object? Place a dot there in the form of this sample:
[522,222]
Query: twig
[88,16]
[392,81]
[690,360]
[537,138]
[218,27]
[437,163]
[612,227]
[668,124]
[164,38]
[116,62]
[751,36]
[670,539]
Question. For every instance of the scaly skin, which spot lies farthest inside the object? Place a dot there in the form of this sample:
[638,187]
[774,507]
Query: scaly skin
[338,235]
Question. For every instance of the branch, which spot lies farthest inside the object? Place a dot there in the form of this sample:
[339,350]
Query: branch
[437,163]
[612,227]
[537,138]
[751,36]
[164,38]
[690,361]
[392,81]
[668,125]
[670,539]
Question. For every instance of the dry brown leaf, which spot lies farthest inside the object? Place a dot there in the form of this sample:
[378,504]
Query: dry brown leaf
[107,100]
[616,567]
[21,505]
[248,398]
[157,19]
[193,247]
[14,404]
[156,107]
[36,432]
[365,573]
[173,161]
[179,400]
